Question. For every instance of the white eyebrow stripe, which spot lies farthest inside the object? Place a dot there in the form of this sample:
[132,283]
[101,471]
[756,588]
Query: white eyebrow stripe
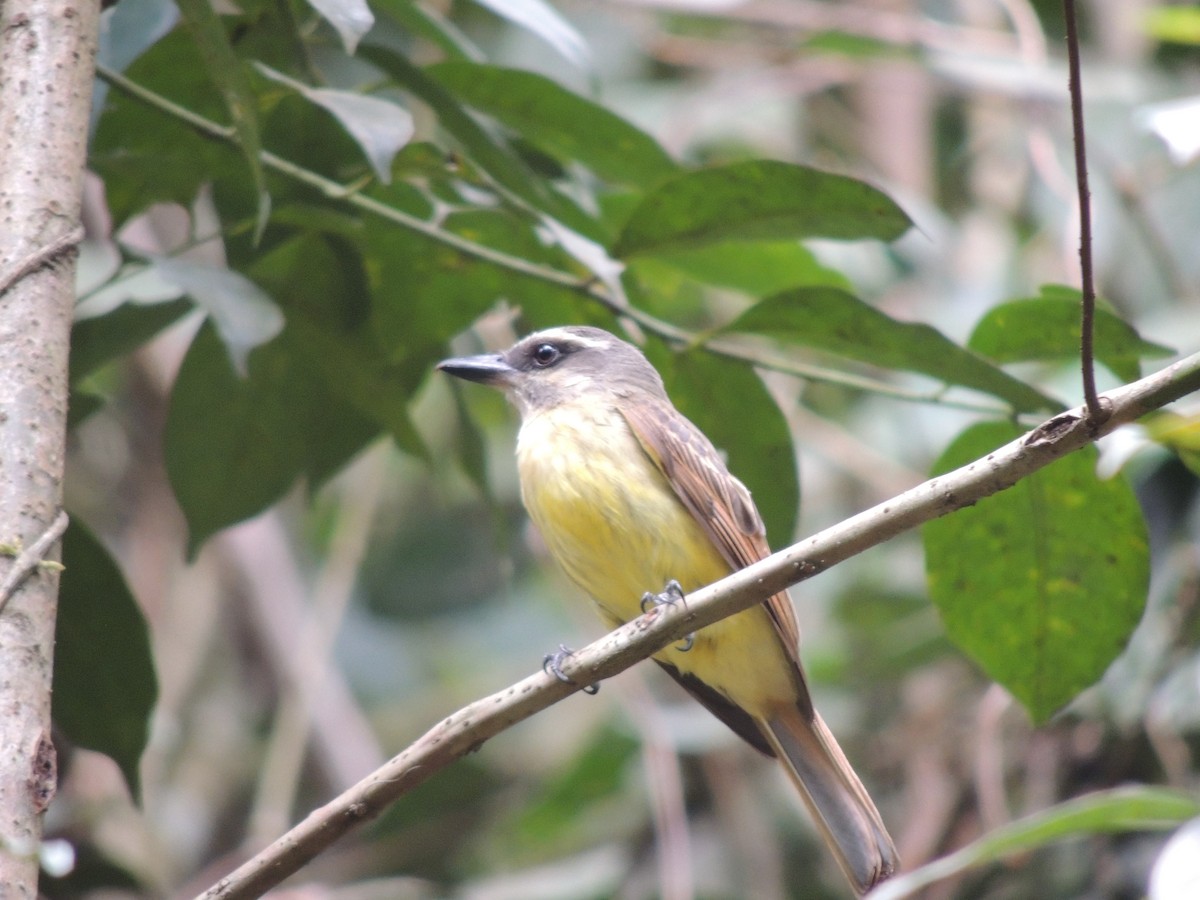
[569,337]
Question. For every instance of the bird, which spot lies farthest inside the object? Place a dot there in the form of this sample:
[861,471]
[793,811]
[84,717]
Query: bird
[628,494]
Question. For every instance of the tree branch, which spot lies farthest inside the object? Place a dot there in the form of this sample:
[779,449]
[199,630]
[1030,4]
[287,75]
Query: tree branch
[467,729]
[46,53]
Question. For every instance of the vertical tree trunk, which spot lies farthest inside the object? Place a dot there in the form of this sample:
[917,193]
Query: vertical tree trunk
[47,50]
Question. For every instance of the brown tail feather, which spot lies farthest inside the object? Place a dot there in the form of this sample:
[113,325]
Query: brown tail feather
[839,803]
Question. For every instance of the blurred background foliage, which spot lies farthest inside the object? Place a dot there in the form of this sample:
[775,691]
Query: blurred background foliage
[295,549]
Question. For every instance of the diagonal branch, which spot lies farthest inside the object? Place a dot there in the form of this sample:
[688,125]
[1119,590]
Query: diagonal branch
[467,729]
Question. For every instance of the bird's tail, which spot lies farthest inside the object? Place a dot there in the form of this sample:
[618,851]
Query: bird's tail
[839,803]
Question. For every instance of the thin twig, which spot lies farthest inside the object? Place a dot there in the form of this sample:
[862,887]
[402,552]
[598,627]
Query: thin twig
[44,254]
[1087,330]
[467,729]
[31,558]
[586,287]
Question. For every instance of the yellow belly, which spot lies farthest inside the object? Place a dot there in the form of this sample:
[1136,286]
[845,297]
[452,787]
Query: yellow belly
[612,521]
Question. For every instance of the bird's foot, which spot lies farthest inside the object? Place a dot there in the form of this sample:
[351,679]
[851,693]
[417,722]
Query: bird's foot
[552,664]
[672,594]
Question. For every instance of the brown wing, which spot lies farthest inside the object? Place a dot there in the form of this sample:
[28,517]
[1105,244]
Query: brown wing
[718,501]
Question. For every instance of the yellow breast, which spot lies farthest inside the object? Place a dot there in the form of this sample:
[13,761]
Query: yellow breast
[614,524]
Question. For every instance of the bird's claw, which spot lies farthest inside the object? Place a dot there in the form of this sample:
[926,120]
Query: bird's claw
[672,594]
[552,665]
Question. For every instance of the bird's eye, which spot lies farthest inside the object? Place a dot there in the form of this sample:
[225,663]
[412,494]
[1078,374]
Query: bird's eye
[546,355]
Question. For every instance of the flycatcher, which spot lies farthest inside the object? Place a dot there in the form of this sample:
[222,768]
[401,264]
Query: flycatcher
[628,495]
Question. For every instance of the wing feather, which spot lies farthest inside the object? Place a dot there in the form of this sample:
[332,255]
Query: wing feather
[718,501]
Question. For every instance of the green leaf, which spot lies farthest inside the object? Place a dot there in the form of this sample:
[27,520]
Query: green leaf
[1173,24]
[226,72]
[1180,434]
[425,292]
[1048,328]
[380,127]
[856,46]
[759,199]
[729,403]
[1102,812]
[832,320]
[487,150]
[759,268]
[104,682]
[334,341]
[102,339]
[443,33]
[231,445]
[1043,583]
[559,122]
[130,28]
[234,445]
[147,157]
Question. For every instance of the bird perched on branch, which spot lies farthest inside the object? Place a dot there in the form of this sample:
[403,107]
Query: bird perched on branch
[628,494]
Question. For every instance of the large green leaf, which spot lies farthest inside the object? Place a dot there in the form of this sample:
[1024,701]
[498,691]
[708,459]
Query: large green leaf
[232,446]
[1048,327]
[729,403]
[1043,583]
[759,199]
[105,687]
[324,291]
[1103,812]
[487,150]
[235,445]
[832,320]
[559,122]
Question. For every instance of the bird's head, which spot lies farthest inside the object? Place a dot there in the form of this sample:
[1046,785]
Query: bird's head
[561,365]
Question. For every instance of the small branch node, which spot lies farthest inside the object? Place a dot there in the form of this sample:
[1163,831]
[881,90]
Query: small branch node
[43,255]
[33,558]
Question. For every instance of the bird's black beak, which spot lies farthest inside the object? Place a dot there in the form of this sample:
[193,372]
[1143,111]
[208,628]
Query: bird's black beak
[488,369]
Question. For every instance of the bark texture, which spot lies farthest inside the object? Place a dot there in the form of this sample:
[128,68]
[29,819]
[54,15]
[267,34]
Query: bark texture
[47,50]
